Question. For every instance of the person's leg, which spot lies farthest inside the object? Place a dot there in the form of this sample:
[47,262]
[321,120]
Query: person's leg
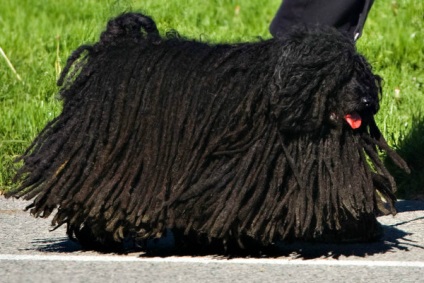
[346,15]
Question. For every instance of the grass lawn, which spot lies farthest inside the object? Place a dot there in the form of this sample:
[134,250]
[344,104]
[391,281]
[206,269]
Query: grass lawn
[38,36]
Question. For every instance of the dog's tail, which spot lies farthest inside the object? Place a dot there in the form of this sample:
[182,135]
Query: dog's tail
[133,26]
[127,28]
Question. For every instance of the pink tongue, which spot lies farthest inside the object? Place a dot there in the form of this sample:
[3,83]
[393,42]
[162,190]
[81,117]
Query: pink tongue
[354,120]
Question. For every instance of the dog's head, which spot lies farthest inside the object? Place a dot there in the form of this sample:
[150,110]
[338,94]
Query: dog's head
[357,100]
[320,80]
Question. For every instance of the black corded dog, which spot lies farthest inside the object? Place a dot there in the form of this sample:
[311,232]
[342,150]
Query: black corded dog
[229,143]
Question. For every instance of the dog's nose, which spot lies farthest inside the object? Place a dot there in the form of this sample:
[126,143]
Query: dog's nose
[366,101]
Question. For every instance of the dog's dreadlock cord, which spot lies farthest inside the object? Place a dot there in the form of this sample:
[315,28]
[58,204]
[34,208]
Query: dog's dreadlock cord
[292,166]
[377,138]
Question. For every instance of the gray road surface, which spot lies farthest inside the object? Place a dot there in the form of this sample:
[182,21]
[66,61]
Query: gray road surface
[29,252]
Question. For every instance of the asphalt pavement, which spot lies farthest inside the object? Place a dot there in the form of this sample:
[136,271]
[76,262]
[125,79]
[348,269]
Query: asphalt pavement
[31,252]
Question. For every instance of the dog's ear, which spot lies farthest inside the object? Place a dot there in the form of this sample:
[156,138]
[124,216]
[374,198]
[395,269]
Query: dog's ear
[298,98]
[312,66]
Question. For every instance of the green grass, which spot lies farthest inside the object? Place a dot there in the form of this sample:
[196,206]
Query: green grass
[38,36]
[394,44]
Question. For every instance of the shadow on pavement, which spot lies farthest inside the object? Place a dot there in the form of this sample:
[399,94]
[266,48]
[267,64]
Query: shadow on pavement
[56,245]
[409,205]
[394,239]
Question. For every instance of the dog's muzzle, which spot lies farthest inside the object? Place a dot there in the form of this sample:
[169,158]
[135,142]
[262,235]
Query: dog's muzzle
[355,119]
[368,107]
